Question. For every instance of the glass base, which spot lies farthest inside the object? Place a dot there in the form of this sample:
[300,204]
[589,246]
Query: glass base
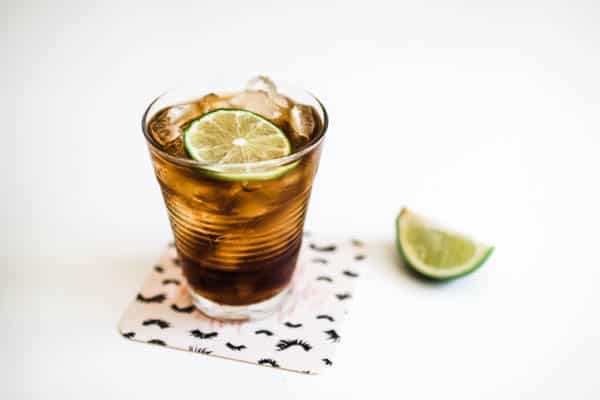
[238,313]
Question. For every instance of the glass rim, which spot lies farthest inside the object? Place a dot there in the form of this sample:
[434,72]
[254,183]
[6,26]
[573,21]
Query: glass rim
[217,167]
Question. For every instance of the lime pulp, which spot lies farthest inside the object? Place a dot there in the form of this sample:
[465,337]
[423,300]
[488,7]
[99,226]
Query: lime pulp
[232,136]
[436,252]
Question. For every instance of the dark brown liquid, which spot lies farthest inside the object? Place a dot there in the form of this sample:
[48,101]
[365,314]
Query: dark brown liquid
[238,241]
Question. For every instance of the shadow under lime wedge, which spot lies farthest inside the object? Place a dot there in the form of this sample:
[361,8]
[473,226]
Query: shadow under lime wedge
[231,136]
[437,252]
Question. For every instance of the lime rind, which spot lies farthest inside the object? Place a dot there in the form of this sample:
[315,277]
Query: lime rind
[257,144]
[272,173]
[481,254]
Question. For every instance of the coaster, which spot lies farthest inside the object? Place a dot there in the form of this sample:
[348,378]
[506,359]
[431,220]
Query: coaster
[301,336]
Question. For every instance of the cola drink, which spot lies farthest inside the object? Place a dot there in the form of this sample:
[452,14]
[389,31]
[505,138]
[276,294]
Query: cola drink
[237,239]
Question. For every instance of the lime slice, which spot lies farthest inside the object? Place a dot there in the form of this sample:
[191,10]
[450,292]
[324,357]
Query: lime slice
[231,138]
[436,252]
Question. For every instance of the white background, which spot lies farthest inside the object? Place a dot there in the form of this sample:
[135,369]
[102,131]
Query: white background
[482,114]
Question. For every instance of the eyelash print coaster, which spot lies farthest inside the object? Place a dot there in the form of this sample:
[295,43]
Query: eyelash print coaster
[301,336]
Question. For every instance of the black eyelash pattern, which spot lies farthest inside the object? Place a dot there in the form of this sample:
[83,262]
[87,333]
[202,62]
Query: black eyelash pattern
[263,332]
[357,243]
[319,260]
[128,335]
[292,325]
[184,310]
[156,341]
[327,361]
[323,248]
[359,257]
[327,317]
[201,335]
[158,322]
[350,274]
[159,269]
[332,335]
[159,298]
[171,282]
[343,296]
[201,350]
[268,361]
[286,344]
[306,372]
[234,347]
[324,278]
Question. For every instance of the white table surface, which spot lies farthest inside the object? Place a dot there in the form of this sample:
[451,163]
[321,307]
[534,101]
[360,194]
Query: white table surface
[482,114]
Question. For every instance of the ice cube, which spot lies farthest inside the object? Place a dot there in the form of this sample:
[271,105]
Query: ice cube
[212,102]
[302,120]
[280,100]
[162,128]
[263,83]
[259,102]
[176,147]
[176,113]
[166,125]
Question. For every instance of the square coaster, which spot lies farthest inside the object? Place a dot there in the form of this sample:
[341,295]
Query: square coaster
[301,336]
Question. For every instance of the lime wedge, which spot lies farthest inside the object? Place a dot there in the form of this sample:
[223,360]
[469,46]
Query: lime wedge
[231,138]
[436,252]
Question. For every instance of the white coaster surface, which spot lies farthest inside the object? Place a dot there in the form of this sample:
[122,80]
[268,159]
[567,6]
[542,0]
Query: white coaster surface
[301,336]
